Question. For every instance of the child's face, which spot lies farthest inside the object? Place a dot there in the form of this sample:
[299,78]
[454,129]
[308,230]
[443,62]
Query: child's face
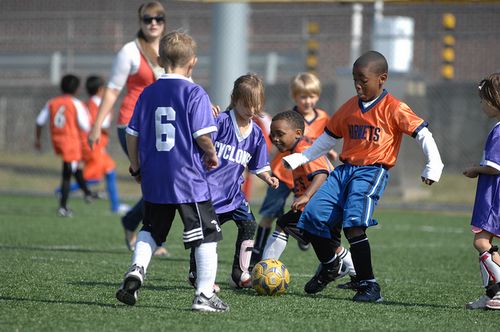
[367,82]
[306,101]
[489,110]
[243,111]
[283,136]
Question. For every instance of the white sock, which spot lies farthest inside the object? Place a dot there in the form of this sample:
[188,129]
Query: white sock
[206,268]
[489,269]
[345,256]
[144,248]
[275,245]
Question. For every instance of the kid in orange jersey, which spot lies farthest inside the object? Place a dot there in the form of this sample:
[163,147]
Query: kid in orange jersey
[98,163]
[287,135]
[372,125]
[305,89]
[67,116]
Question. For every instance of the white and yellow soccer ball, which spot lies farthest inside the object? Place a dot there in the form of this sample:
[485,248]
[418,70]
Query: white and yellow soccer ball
[270,277]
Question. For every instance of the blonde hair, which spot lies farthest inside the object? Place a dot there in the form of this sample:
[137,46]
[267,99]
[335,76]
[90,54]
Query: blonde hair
[306,83]
[489,90]
[177,49]
[147,48]
[249,90]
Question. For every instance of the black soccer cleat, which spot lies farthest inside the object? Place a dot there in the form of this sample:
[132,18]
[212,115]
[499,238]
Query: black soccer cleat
[368,291]
[134,278]
[323,277]
[352,285]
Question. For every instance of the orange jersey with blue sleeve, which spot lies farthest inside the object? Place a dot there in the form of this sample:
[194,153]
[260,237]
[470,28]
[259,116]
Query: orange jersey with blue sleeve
[312,130]
[373,135]
[303,175]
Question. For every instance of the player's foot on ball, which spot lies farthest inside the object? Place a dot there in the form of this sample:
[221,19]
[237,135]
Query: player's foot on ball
[127,293]
[494,303]
[245,281]
[323,277]
[480,303]
[64,212]
[209,304]
[161,252]
[192,281]
[368,291]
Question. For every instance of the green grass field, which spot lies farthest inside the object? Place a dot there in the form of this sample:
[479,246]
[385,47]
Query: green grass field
[61,275]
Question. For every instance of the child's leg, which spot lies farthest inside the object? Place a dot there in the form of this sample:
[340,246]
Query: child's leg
[243,252]
[489,262]
[65,183]
[81,182]
[275,244]
[361,253]
[272,207]
[112,190]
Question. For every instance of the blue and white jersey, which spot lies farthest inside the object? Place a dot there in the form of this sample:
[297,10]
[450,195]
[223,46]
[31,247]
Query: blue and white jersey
[168,116]
[236,151]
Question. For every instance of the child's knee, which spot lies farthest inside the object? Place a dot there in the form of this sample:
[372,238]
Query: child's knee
[266,222]
[353,232]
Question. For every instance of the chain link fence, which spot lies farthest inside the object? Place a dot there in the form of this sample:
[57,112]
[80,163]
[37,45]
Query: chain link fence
[42,40]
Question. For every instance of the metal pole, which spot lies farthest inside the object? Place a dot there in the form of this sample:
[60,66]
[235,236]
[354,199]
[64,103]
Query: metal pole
[356,31]
[229,49]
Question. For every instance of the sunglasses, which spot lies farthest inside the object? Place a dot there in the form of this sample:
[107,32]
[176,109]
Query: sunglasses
[149,19]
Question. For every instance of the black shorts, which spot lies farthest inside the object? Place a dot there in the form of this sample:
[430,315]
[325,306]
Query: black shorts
[242,214]
[200,222]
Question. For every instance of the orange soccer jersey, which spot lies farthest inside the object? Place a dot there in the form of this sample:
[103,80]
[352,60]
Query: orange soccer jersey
[97,160]
[303,175]
[373,135]
[64,129]
[313,129]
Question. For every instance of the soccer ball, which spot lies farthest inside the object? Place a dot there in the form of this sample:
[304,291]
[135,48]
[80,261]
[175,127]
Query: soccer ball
[270,277]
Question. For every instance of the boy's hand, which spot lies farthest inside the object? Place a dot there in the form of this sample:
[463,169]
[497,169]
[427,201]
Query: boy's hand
[273,182]
[427,181]
[211,161]
[299,202]
[215,110]
[94,136]
[135,172]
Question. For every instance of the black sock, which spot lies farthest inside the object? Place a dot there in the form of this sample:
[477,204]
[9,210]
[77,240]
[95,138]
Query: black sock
[361,257]
[324,249]
[65,183]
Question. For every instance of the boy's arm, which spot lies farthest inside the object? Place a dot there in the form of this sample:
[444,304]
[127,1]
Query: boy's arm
[271,181]
[321,146]
[210,157]
[41,120]
[133,155]
[108,100]
[302,200]
[474,171]
[82,116]
[434,165]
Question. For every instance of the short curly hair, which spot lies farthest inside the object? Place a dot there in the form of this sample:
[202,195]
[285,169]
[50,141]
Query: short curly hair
[295,119]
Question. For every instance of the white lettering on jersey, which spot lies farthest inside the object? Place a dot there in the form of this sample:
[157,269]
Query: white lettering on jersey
[232,154]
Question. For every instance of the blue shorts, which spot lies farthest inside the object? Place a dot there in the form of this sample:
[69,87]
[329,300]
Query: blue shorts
[242,213]
[348,196]
[274,202]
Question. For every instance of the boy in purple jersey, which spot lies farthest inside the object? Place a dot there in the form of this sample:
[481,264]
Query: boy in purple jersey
[168,139]
[486,214]
[239,144]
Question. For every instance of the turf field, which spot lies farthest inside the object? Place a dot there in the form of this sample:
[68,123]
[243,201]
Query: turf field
[61,275]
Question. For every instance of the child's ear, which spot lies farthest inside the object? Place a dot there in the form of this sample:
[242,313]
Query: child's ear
[298,133]
[382,78]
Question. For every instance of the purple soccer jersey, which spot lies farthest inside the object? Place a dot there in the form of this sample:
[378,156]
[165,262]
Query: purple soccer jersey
[168,116]
[236,151]
[486,213]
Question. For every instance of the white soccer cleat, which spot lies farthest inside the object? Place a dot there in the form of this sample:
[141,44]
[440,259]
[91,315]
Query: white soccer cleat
[209,304]
[480,303]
